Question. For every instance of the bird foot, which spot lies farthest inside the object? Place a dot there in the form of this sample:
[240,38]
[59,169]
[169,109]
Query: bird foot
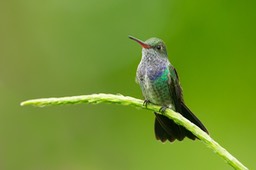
[146,102]
[162,109]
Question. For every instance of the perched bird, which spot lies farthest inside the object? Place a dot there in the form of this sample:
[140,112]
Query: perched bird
[160,85]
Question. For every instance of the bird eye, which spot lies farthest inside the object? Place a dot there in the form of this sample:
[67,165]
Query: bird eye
[159,47]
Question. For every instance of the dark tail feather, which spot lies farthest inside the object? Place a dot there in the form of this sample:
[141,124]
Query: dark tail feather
[168,129]
[161,134]
[191,117]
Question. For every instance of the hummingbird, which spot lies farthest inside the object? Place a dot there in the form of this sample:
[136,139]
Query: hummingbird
[160,85]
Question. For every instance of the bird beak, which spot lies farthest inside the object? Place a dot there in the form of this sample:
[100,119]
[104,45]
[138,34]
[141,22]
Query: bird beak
[143,44]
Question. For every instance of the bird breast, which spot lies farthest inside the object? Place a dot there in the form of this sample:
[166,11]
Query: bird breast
[153,81]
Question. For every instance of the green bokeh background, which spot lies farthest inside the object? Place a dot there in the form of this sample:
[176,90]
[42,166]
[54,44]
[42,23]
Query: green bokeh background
[57,48]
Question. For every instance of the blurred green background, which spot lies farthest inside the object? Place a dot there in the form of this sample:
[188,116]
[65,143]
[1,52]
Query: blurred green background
[57,48]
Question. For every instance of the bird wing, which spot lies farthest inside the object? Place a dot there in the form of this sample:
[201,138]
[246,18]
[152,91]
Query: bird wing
[179,103]
[175,88]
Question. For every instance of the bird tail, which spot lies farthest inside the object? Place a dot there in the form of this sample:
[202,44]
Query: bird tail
[167,129]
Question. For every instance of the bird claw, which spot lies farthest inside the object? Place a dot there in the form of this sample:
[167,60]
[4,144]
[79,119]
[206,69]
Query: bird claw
[145,103]
[162,109]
